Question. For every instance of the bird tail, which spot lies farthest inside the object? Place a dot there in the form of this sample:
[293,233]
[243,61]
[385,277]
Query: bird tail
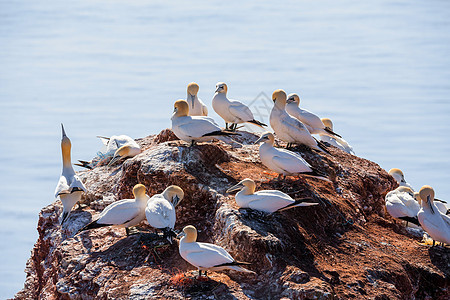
[321,146]
[92,225]
[84,164]
[331,132]
[236,265]
[299,202]
[65,214]
[221,132]
[260,124]
[413,220]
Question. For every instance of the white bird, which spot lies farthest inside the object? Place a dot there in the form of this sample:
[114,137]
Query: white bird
[309,119]
[69,187]
[114,148]
[232,111]
[123,213]
[193,129]
[196,106]
[206,256]
[401,204]
[399,177]
[283,161]
[160,210]
[268,201]
[436,224]
[440,204]
[335,141]
[288,128]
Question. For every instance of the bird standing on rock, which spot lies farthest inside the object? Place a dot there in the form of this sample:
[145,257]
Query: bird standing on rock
[193,129]
[206,256]
[310,120]
[196,106]
[288,128]
[123,213]
[401,204]
[160,210]
[436,224]
[268,201]
[283,161]
[232,111]
[69,187]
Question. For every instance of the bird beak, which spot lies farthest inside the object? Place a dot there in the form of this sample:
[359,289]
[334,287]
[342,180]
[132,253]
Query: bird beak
[429,203]
[113,160]
[259,140]
[236,187]
[218,88]
[290,100]
[180,235]
[63,131]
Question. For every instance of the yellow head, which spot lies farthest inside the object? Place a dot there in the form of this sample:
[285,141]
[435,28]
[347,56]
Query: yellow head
[293,98]
[398,175]
[267,137]
[66,145]
[174,194]
[426,193]
[279,98]
[327,122]
[405,189]
[190,233]
[192,88]
[417,198]
[247,184]
[139,191]
[181,108]
[221,88]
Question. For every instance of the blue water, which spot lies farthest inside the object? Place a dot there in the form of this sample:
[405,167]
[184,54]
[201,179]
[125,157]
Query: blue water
[379,70]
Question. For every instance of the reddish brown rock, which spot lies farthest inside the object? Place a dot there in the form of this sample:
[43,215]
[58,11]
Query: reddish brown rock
[344,248]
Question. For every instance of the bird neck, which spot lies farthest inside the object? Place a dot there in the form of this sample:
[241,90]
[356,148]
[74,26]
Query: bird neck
[65,149]
[247,190]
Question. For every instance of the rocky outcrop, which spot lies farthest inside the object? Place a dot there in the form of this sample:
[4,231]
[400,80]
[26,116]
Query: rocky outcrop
[343,248]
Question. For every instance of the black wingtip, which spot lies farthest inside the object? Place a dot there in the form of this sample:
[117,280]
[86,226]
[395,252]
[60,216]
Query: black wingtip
[221,132]
[64,217]
[315,172]
[413,220]
[322,146]
[93,225]
[256,122]
[332,132]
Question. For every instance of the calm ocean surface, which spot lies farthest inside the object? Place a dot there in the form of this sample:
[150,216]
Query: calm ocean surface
[379,70]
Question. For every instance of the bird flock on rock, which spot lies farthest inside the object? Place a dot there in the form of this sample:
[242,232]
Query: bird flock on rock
[190,123]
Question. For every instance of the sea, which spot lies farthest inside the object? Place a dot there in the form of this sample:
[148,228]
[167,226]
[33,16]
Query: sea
[379,69]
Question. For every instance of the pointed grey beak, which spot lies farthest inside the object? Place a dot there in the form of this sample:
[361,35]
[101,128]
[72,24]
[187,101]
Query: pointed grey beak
[180,235]
[192,99]
[429,203]
[114,159]
[175,200]
[217,89]
[63,131]
[261,139]
[236,187]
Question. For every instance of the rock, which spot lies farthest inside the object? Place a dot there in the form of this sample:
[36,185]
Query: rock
[345,247]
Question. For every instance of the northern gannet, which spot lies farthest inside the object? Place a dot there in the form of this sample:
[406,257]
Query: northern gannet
[196,106]
[335,141]
[160,210]
[206,256]
[266,200]
[232,111]
[288,128]
[436,224]
[123,213]
[401,204]
[283,161]
[69,187]
[309,119]
[193,129]
[114,148]
[440,204]
[399,177]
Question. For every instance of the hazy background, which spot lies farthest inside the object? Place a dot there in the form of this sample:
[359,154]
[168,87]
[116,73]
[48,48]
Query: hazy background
[379,70]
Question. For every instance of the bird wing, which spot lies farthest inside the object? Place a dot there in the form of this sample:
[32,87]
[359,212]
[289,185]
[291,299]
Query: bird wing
[208,255]
[291,164]
[77,183]
[160,213]
[311,119]
[62,187]
[197,127]
[446,219]
[270,202]
[395,207]
[240,110]
[119,212]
